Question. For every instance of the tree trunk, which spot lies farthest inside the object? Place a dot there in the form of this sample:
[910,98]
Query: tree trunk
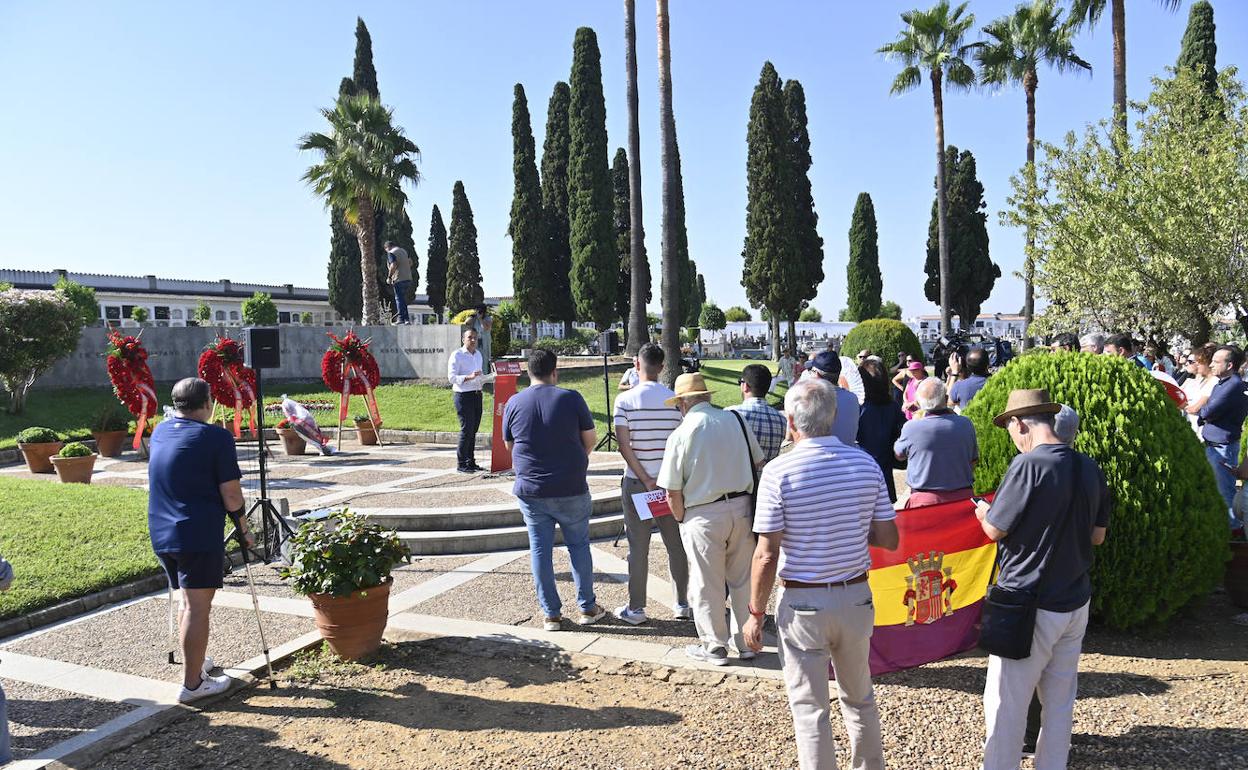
[1119,22]
[775,336]
[1200,335]
[637,333]
[792,336]
[946,291]
[1030,82]
[671,269]
[532,334]
[370,314]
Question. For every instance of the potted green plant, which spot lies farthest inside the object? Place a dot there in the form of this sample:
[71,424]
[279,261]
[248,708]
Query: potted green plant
[365,430]
[109,430]
[291,441]
[38,445]
[344,567]
[74,463]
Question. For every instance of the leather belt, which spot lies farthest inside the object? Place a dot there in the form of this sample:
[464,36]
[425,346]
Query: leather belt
[723,498]
[862,578]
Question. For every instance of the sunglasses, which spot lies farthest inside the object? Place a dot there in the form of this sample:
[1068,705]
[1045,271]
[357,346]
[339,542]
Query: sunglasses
[740,381]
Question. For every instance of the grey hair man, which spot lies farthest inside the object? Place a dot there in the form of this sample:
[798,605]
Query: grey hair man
[940,449]
[819,507]
[1092,343]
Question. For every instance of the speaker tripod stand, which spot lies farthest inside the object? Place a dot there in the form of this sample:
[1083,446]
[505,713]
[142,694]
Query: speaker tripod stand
[609,438]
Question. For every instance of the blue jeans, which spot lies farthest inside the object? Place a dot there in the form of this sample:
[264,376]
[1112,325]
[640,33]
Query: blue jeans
[400,299]
[1219,456]
[572,515]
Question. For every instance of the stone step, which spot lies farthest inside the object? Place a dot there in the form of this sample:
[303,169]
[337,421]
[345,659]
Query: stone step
[470,517]
[440,542]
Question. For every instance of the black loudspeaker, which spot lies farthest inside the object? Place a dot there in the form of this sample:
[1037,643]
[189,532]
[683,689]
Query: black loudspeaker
[260,348]
[609,343]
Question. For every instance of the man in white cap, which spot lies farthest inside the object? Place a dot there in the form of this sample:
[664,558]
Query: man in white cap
[708,471]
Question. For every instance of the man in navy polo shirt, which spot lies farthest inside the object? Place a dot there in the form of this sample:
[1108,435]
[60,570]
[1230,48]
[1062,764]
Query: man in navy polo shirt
[1223,417]
[550,434]
[193,480]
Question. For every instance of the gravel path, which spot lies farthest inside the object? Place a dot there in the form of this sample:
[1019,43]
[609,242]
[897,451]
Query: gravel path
[40,717]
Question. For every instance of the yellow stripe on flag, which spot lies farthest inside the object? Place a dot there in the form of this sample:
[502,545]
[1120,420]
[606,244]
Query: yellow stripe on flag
[970,570]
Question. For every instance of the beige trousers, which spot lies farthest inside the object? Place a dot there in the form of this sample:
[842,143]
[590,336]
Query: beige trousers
[818,626]
[719,543]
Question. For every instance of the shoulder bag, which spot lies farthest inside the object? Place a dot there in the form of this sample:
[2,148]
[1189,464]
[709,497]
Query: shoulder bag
[749,458]
[1008,621]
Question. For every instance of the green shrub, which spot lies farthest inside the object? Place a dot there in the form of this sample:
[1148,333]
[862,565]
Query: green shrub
[37,435]
[506,314]
[885,338]
[110,418]
[1167,538]
[139,314]
[259,310]
[568,346]
[353,556]
[75,449]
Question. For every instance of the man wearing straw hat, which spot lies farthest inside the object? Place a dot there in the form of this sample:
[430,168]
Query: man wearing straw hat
[708,472]
[1052,507]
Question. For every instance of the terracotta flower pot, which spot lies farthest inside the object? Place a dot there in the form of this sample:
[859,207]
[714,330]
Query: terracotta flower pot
[367,434]
[292,441]
[108,443]
[353,624]
[1237,575]
[37,456]
[74,470]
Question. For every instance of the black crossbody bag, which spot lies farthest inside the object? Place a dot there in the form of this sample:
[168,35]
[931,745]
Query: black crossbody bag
[749,458]
[1008,622]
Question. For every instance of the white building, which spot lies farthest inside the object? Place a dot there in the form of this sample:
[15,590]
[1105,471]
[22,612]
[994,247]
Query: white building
[172,301]
[1002,325]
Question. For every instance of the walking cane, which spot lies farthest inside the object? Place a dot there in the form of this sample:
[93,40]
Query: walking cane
[173,642]
[255,603]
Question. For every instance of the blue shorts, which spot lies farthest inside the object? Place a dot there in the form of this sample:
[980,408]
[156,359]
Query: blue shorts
[194,569]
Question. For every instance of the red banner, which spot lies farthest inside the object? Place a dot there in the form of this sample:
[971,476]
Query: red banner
[505,375]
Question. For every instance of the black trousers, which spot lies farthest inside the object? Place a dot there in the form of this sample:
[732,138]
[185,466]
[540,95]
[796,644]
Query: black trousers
[468,407]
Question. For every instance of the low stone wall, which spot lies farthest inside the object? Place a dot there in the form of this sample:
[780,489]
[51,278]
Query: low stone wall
[402,352]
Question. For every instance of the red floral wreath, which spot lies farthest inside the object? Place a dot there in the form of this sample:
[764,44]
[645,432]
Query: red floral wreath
[233,383]
[132,380]
[348,368]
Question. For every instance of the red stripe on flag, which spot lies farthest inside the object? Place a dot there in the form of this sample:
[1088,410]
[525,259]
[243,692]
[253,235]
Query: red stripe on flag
[947,527]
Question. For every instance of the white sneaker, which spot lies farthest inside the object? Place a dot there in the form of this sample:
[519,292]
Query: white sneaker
[631,616]
[595,614]
[716,657]
[210,686]
[209,665]
[683,612]
[552,624]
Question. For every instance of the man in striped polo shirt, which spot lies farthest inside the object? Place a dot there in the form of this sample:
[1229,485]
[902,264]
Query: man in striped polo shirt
[643,421]
[819,507]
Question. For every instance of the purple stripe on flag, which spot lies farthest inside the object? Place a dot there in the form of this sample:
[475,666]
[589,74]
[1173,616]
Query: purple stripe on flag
[897,647]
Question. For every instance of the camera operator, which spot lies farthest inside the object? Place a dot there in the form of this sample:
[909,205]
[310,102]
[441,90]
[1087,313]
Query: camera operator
[193,477]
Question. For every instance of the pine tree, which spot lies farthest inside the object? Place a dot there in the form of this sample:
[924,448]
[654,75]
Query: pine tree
[530,272]
[808,246]
[555,207]
[463,265]
[972,271]
[623,233]
[594,261]
[863,281]
[1200,47]
[436,271]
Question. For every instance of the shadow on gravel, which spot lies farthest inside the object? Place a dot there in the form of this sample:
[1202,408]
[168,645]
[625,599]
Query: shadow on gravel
[970,679]
[219,745]
[1161,747]
[1201,631]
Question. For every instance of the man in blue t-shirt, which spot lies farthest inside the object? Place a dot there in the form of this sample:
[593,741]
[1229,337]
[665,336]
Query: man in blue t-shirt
[962,391]
[193,481]
[550,434]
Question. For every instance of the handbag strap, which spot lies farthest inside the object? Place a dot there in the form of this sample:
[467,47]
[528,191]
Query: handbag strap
[749,455]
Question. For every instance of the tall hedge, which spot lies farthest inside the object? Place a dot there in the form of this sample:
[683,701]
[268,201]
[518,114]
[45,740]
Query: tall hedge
[1167,533]
[885,338]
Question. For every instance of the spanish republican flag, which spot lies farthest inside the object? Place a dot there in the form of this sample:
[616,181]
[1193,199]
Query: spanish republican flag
[928,593]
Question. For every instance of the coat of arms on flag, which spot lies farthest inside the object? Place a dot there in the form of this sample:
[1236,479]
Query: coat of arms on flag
[929,591]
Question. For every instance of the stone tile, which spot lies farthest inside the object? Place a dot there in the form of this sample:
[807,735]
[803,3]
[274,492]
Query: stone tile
[41,717]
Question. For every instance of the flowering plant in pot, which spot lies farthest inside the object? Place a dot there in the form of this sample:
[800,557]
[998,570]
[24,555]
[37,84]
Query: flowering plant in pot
[109,429]
[365,429]
[344,567]
[291,441]
[74,463]
[38,445]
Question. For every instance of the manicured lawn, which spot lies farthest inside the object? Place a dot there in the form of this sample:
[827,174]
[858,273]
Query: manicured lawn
[66,540]
[403,406]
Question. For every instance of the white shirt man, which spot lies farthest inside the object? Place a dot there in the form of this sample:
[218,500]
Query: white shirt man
[784,371]
[643,421]
[464,370]
[819,507]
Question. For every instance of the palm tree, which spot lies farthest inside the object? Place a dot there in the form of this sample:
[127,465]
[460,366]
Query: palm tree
[364,161]
[1018,44]
[671,268]
[639,269]
[1089,12]
[932,41]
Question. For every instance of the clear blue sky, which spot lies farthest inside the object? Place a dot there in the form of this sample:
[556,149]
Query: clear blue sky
[160,137]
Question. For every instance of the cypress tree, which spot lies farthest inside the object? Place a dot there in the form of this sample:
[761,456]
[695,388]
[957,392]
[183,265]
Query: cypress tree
[364,75]
[863,281]
[623,233]
[807,257]
[463,265]
[594,261]
[530,271]
[436,271]
[555,207]
[1200,48]
[344,267]
[972,271]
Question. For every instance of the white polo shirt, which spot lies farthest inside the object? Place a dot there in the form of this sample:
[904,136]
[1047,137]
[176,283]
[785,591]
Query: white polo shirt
[460,366]
[649,422]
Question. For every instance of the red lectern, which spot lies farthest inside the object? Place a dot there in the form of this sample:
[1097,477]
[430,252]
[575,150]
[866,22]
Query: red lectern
[505,375]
